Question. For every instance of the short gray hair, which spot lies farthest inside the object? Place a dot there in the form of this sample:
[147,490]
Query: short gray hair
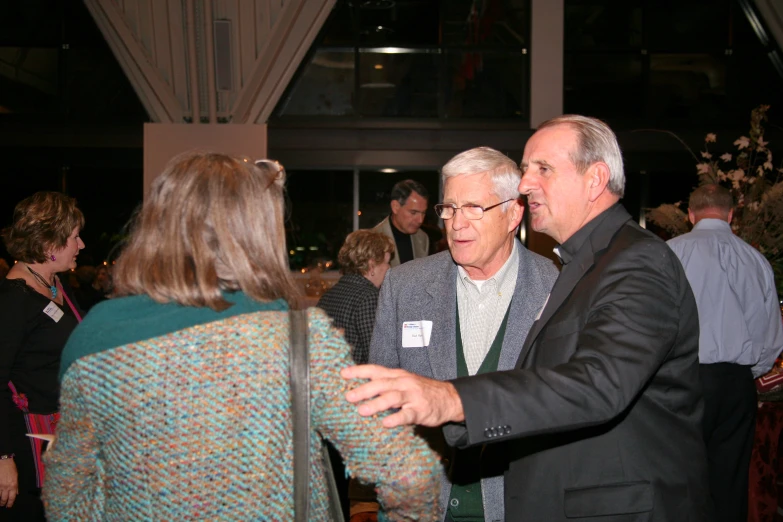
[595,142]
[503,171]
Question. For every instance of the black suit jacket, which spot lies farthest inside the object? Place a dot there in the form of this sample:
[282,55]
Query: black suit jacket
[603,412]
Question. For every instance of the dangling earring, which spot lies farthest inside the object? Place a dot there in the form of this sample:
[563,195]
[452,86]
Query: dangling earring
[54,258]
[372,274]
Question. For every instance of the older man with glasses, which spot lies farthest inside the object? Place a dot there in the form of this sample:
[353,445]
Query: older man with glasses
[466,311]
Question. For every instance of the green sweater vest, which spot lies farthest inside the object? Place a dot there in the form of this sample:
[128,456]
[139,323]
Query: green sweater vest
[465,501]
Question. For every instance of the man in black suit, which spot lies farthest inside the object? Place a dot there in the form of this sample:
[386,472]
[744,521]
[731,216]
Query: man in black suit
[602,413]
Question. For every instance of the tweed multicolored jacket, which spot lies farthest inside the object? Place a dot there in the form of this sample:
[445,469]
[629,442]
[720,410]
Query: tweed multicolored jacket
[193,423]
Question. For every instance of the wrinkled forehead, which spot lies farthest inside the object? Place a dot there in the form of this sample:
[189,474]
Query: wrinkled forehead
[557,140]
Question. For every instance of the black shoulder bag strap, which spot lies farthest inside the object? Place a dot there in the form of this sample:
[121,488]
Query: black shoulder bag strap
[300,401]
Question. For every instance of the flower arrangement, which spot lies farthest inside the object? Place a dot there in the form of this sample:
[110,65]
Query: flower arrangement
[757,187]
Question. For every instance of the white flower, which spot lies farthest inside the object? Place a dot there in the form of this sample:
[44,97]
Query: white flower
[761,143]
[768,165]
[742,143]
[760,170]
[722,175]
[703,168]
[710,138]
[737,175]
[706,155]
[726,157]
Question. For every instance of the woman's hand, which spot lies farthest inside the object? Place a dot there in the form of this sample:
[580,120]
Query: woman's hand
[9,483]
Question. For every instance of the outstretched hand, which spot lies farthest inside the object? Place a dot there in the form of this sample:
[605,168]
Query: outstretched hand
[420,400]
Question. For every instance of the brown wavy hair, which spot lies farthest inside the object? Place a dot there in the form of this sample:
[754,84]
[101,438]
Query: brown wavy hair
[361,247]
[211,223]
[41,223]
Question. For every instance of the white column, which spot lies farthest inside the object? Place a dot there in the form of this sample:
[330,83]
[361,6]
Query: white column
[163,141]
[546,60]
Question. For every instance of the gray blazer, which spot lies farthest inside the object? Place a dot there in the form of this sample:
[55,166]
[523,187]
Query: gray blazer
[420,241]
[426,289]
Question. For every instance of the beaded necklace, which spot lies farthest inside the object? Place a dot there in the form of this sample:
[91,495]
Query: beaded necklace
[52,288]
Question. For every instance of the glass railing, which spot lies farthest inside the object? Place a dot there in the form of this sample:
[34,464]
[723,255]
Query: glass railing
[411,82]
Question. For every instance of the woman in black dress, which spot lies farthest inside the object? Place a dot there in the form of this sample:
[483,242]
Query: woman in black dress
[36,318]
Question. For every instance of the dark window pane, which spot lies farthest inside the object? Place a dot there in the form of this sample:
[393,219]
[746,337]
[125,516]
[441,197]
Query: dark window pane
[108,201]
[501,22]
[325,87]
[417,59]
[686,86]
[320,214]
[688,26]
[398,84]
[603,85]
[31,23]
[29,79]
[486,84]
[603,24]
[339,27]
[397,22]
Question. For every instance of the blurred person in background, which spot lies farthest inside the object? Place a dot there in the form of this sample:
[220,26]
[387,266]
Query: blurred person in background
[175,399]
[102,282]
[403,225]
[351,303]
[94,285]
[36,318]
[740,336]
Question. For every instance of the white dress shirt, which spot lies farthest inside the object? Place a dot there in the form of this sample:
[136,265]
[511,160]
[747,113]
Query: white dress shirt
[481,306]
[734,286]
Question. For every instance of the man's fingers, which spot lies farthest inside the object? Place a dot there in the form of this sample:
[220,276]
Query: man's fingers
[389,400]
[11,498]
[4,496]
[403,417]
[369,390]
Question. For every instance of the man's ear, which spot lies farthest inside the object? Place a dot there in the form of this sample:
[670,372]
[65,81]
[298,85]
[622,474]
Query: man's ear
[517,212]
[691,217]
[731,216]
[395,206]
[597,176]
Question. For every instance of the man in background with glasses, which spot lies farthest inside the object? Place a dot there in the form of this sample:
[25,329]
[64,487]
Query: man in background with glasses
[403,226]
[466,311]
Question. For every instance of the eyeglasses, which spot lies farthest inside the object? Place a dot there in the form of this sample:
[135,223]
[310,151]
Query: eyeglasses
[474,212]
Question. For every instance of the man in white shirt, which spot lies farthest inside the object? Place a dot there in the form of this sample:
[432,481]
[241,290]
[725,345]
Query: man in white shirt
[740,336]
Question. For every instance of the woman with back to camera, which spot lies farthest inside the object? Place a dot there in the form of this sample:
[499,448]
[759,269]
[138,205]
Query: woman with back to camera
[36,318]
[364,260]
[175,394]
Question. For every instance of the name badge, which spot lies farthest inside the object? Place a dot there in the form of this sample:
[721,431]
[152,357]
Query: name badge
[53,311]
[416,334]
